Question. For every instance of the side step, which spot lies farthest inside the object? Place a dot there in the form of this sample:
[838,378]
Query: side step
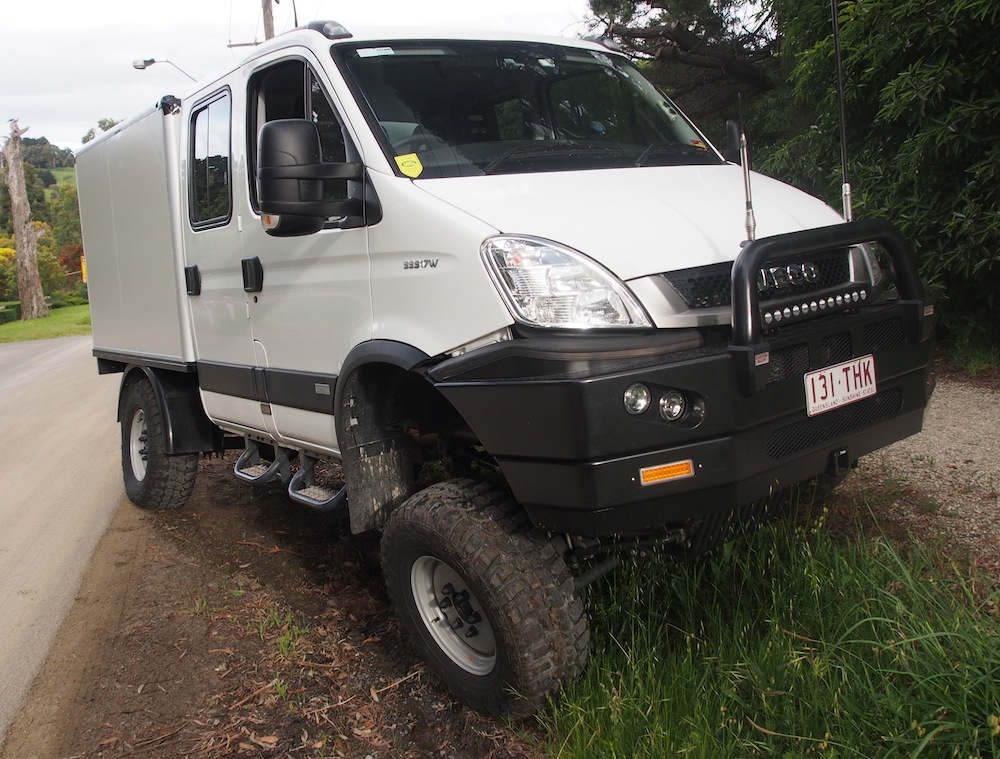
[304,489]
[251,468]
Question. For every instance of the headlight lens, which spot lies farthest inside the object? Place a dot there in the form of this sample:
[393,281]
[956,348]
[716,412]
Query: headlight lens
[871,260]
[548,285]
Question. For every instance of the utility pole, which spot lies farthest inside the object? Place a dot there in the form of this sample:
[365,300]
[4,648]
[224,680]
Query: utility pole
[268,19]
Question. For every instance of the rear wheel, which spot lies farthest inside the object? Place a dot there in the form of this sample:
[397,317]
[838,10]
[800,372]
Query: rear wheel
[486,598]
[153,479]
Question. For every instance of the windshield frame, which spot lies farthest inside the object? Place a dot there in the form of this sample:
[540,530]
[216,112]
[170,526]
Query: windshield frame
[566,152]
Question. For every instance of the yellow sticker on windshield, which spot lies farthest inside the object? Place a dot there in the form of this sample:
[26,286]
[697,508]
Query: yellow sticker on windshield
[410,165]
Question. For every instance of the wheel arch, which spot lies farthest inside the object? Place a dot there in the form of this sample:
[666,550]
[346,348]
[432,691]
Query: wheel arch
[186,427]
[382,396]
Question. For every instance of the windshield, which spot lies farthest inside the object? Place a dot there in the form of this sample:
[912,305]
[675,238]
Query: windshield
[466,108]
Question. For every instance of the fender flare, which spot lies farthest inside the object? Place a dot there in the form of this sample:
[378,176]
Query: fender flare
[389,352]
[186,427]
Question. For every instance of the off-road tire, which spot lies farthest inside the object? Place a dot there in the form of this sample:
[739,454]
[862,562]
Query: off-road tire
[517,581]
[153,479]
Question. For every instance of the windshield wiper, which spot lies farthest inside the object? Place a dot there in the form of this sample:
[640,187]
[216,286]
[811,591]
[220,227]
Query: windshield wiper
[548,148]
[671,147]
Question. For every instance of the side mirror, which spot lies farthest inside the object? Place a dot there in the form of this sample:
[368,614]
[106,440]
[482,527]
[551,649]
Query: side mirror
[290,177]
[733,131]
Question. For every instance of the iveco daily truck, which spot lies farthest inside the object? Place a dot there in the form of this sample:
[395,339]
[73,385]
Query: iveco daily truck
[511,290]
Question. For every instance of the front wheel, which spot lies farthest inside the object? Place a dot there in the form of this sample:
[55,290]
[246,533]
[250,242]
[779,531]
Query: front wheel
[486,598]
[153,479]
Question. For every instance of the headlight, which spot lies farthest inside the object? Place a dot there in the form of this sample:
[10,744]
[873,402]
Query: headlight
[548,285]
[871,261]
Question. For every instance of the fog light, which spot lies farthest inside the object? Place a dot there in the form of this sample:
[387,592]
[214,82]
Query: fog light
[637,398]
[673,405]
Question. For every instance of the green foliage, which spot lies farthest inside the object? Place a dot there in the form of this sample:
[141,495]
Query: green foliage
[36,198]
[43,154]
[923,104]
[10,312]
[788,644]
[102,124]
[8,273]
[65,215]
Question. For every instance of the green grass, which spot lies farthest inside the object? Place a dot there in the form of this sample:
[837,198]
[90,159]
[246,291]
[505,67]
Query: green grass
[975,355]
[787,644]
[64,177]
[70,320]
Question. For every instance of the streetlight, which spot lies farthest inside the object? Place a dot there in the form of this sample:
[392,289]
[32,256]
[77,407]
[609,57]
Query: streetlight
[141,64]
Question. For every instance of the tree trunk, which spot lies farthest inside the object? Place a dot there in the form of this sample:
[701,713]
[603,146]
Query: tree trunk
[29,286]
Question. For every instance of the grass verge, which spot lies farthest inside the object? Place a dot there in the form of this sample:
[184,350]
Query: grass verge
[787,644]
[61,322]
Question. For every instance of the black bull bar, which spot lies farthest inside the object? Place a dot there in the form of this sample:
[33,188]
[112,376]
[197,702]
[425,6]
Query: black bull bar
[749,346]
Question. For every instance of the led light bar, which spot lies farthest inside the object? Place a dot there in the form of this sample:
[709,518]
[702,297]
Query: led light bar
[831,303]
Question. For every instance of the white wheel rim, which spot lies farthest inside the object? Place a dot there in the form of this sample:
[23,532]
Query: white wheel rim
[466,639]
[137,440]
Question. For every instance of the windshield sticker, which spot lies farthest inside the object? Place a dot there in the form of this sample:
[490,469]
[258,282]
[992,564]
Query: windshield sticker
[410,165]
[373,52]
[699,144]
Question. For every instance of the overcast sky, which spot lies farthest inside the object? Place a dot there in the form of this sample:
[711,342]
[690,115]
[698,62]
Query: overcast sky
[68,63]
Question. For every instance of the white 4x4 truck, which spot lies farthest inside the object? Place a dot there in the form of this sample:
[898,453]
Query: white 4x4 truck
[508,287]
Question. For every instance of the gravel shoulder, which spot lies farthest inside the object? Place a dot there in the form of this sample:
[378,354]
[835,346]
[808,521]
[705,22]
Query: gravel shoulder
[944,482]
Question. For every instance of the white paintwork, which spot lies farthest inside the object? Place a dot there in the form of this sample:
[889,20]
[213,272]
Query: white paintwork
[328,292]
[132,261]
[636,221]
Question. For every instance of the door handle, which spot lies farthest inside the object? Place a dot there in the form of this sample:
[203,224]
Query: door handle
[253,275]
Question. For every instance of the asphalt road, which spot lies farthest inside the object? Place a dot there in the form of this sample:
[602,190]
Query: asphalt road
[60,485]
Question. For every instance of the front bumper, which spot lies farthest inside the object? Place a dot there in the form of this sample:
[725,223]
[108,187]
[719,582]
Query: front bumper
[551,412]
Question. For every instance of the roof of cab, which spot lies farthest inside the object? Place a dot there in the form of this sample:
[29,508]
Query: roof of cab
[336,33]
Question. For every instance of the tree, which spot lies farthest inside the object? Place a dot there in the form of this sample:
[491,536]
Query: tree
[36,199]
[922,100]
[703,52]
[923,104]
[102,124]
[29,286]
[65,217]
[43,154]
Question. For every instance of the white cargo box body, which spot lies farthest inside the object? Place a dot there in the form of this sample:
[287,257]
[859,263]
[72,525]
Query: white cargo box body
[133,266]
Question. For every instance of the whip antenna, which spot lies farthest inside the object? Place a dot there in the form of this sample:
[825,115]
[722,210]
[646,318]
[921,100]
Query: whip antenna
[846,186]
[751,222]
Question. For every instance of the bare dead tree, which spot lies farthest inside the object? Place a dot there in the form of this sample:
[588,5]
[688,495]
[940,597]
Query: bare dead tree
[29,285]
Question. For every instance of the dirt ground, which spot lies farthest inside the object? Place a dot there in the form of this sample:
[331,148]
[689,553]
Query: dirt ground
[240,625]
[243,625]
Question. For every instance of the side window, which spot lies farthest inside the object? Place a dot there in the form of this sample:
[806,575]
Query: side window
[290,90]
[210,191]
[333,149]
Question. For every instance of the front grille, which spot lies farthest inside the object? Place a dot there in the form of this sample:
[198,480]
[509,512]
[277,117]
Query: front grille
[883,334]
[819,429]
[709,286]
[835,349]
[792,361]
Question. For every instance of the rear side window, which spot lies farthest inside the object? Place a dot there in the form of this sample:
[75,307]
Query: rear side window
[211,191]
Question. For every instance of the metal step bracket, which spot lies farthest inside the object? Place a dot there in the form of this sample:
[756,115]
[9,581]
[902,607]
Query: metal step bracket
[250,467]
[304,489]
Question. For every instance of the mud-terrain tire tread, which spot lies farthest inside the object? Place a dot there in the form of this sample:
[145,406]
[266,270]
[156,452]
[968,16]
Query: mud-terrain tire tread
[169,479]
[513,569]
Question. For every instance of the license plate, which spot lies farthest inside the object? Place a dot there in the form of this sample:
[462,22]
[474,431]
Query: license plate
[839,385]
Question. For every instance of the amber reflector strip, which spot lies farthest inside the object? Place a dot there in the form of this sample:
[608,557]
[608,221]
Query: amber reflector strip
[678,470]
